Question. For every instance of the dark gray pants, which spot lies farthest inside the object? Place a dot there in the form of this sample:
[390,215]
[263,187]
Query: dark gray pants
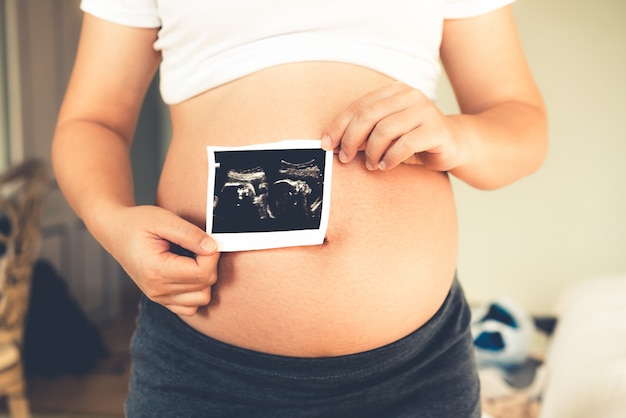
[178,372]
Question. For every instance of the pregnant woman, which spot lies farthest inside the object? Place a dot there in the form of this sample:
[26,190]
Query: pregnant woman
[373,321]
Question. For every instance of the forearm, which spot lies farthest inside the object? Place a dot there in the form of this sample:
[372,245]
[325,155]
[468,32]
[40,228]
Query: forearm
[502,129]
[92,167]
[501,144]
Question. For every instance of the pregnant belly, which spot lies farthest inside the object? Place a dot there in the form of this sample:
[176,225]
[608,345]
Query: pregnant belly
[389,255]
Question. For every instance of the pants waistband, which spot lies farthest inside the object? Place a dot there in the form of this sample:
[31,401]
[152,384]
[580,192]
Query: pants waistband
[441,331]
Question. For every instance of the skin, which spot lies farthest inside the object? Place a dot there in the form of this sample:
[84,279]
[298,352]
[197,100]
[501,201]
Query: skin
[503,112]
[383,131]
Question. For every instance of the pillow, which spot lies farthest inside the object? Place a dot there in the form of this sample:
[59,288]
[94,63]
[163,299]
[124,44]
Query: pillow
[586,360]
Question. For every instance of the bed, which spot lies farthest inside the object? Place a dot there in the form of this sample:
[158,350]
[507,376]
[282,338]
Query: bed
[581,371]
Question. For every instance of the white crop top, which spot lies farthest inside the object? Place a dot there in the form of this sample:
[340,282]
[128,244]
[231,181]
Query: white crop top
[206,43]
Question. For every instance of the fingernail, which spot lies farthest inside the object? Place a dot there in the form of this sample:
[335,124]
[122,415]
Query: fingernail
[208,245]
[327,143]
[343,157]
[369,166]
[382,165]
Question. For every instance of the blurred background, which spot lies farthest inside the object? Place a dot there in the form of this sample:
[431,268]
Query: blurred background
[565,223]
[561,224]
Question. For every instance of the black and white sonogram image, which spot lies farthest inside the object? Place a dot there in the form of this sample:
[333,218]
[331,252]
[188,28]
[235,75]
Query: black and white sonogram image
[268,190]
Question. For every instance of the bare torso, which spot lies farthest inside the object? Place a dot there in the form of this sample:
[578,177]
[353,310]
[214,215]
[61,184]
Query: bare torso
[390,250]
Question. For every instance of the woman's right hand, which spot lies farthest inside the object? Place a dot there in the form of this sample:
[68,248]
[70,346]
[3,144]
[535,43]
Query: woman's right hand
[142,245]
[90,155]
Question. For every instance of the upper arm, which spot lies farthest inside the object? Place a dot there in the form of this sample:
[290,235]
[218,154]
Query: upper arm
[485,62]
[113,69]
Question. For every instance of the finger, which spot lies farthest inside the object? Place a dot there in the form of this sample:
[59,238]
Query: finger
[401,150]
[413,146]
[396,103]
[175,268]
[365,121]
[171,274]
[386,132]
[183,310]
[197,298]
[186,303]
[162,291]
[333,136]
[415,159]
[185,234]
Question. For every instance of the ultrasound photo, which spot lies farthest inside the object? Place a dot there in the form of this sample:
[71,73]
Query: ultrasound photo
[280,192]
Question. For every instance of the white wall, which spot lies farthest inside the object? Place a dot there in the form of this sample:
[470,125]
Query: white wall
[568,221]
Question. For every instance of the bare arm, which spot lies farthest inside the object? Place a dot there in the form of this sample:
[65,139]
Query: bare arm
[90,155]
[90,150]
[501,134]
[503,123]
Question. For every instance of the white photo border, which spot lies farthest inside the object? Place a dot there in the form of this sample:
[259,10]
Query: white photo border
[248,241]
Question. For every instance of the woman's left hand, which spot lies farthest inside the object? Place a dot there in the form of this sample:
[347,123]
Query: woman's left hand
[393,125]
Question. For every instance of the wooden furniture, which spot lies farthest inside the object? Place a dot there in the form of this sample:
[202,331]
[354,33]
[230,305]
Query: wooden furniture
[22,191]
